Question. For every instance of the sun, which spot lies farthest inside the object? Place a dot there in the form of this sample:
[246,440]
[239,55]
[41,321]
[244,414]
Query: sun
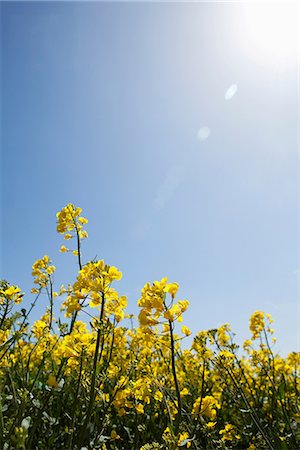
[269,32]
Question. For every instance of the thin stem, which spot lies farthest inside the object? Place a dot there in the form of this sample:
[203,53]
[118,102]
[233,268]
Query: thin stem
[179,405]
[78,246]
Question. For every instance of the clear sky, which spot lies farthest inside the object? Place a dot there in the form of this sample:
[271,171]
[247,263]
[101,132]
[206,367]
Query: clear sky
[174,127]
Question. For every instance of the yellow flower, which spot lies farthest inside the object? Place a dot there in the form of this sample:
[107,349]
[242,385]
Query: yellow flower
[256,323]
[52,382]
[169,315]
[139,408]
[82,220]
[158,396]
[222,333]
[185,330]
[12,293]
[63,249]
[183,305]
[208,407]
[50,270]
[184,392]
[114,435]
[172,288]
[228,433]
[114,273]
[182,438]
[145,318]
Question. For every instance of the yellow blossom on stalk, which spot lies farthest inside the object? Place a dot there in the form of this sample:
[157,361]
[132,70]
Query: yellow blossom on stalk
[229,433]
[182,440]
[168,436]
[11,294]
[4,335]
[256,324]
[269,317]
[71,304]
[42,270]
[172,289]
[227,357]
[52,382]
[93,286]
[172,313]
[175,312]
[293,360]
[247,344]
[70,223]
[67,218]
[50,270]
[63,249]
[206,407]
[222,334]
[184,392]
[158,396]
[183,305]
[146,319]
[39,327]
[83,234]
[82,220]
[113,274]
[139,408]
[114,435]
[62,290]
[185,330]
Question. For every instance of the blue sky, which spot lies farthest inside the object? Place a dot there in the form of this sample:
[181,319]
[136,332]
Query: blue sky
[174,127]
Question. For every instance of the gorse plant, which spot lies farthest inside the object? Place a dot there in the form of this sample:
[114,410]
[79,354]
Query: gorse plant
[73,385]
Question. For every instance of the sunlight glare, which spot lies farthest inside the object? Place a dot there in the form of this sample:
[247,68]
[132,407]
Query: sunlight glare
[269,33]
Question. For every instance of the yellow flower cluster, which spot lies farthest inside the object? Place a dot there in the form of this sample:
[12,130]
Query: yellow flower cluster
[70,223]
[69,219]
[42,270]
[229,433]
[154,307]
[257,323]
[93,287]
[11,294]
[205,407]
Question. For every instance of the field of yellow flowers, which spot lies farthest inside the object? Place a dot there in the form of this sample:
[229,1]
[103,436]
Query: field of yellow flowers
[88,382]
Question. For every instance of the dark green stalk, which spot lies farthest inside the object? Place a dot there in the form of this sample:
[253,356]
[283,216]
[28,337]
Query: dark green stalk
[179,405]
